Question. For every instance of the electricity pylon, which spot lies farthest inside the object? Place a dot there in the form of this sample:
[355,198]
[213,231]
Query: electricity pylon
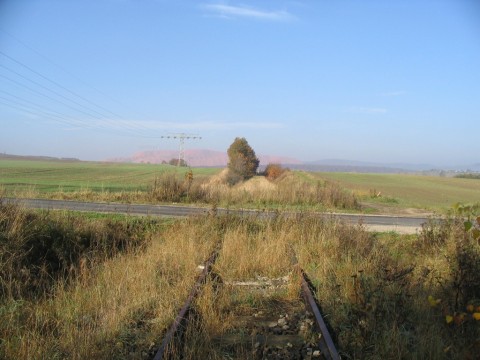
[181,137]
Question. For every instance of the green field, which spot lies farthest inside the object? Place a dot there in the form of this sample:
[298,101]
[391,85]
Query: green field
[396,192]
[50,176]
[412,191]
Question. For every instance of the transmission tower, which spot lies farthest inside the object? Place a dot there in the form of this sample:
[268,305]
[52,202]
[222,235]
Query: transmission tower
[181,137]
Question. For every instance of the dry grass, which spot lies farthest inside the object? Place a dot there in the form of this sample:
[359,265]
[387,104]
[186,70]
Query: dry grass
[287,191]
[116,308]
[373,289]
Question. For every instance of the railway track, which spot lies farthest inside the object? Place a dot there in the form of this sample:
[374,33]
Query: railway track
[267,318]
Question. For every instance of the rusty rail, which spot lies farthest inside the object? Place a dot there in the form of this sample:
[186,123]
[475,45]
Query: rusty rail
[325,343]
[178,325]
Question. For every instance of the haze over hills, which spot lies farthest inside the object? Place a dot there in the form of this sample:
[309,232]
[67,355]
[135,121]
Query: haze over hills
[213,158]
[199,157]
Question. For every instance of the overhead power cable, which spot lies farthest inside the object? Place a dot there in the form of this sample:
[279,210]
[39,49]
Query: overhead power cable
[55,117]
[54,92]
[107,121]
[47,96]
[130,126]
[57,84]
[25,45]
[36,112]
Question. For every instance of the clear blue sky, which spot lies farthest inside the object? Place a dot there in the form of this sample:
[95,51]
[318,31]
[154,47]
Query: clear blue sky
[380,81]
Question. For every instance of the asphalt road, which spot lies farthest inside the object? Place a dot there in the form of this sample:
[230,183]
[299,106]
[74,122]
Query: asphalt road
[403,224]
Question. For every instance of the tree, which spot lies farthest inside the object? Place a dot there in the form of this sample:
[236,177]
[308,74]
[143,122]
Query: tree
[242,161]
[177,162]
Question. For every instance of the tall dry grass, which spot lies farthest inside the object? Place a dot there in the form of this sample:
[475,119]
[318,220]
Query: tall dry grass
[116,307]
[288,190]
[373,289]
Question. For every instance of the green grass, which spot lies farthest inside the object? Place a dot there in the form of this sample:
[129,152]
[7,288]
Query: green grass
[416,191]
[26,178]
[50,176]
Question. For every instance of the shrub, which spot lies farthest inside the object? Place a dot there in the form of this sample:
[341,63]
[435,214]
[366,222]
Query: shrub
[243,162]
[274,171]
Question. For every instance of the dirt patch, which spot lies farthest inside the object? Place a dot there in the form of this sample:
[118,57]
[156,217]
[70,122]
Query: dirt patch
[256,184]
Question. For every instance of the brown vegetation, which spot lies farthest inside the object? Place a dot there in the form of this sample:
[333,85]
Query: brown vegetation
[274,171]
[383,294]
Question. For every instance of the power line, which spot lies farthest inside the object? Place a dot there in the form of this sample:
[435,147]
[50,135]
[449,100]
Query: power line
[60,67]
[134,128]
[57,118]
[47,96]
[112,123]
[57,84]
[66,89]
[60,117]
[30,103]
[36,112]
[52,91]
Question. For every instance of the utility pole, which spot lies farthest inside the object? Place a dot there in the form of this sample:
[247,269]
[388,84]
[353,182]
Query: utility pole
[181,137]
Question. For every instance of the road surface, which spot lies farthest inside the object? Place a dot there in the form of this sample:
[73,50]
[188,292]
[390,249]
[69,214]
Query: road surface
[402,224]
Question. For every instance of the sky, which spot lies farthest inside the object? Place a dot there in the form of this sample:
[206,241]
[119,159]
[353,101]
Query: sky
[393,81]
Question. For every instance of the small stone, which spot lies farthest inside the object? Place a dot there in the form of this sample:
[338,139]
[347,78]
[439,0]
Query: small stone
[316,353]
[277,331]
[282,322]
[289,345]
[272,324]
[285,327]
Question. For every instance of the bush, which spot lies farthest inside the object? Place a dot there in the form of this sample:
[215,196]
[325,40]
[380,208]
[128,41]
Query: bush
[274,171]
[243,162]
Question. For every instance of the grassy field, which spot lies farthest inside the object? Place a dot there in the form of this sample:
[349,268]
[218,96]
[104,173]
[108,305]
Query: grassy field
[408,191]
[378,193]
[50,176]
[145,183]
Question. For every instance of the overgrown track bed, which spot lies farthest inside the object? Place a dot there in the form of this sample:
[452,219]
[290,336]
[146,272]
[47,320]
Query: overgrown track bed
[261,318]
[177,327]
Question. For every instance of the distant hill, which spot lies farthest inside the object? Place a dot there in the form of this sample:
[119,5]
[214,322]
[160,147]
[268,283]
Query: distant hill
[34,157]
[382,167]
[213,158]
[198,157]
[349,168]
